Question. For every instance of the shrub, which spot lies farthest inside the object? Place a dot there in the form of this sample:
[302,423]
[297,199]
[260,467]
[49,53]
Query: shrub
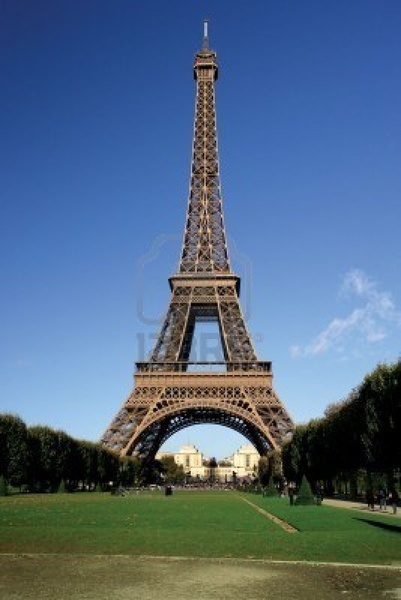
[305,495]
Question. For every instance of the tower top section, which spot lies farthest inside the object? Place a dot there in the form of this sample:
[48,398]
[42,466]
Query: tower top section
[205,65]
[204,249]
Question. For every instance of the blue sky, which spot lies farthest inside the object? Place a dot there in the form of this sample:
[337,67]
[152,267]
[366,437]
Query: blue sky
[97,117]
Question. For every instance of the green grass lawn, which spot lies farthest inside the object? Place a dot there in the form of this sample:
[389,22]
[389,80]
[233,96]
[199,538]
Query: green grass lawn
[193,524]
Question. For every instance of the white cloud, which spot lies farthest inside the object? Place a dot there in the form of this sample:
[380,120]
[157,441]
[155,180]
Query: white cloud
[367,323]
[356,282]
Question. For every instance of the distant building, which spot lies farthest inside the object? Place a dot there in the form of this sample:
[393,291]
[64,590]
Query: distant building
[242,465]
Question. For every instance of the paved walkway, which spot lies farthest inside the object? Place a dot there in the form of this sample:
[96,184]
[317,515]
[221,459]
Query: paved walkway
[362,507]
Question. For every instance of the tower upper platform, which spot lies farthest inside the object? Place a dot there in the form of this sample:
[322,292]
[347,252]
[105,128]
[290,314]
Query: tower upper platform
[205,65]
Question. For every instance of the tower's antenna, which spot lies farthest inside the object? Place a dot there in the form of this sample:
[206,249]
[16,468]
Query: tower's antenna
[205,34]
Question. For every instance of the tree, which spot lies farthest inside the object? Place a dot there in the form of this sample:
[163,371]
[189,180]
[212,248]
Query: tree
[264,470]
[3,486]
[381,395]
[271,490]
[44,465]
[270,467]
[108,465]
[305,495]
[53,456]
[47,459]
[130,467]
[67,455]
[150,471]
[88,463]
[172,472]
[13,449]
[295,454]
[357,435]
[288,460]
[62,488]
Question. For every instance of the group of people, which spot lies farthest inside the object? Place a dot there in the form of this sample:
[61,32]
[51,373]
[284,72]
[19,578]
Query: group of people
[382,499]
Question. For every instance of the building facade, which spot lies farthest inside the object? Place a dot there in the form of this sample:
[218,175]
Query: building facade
[240,466]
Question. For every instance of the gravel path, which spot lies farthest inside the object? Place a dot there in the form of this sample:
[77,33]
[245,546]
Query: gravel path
[45,577]
[362,507]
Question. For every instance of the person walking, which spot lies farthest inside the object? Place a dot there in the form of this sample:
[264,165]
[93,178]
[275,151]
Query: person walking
[291,492]
[394,498]
[370,498]
[382,499]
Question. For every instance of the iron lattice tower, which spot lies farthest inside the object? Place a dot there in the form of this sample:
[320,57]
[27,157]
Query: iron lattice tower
[170,392]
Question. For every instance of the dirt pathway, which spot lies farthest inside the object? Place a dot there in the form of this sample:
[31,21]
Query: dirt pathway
[44,577]
[362,506]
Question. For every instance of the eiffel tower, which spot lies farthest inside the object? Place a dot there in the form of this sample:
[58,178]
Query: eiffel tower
[170,392]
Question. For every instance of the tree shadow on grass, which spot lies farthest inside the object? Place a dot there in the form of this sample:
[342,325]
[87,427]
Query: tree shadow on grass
[387,526]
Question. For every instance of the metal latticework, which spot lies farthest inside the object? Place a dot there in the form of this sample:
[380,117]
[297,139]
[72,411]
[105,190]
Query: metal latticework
[237,393]
[208,299]
[204,248]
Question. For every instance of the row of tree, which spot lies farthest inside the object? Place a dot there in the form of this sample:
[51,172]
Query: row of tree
[41,458]
[357,442]
[359,435]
